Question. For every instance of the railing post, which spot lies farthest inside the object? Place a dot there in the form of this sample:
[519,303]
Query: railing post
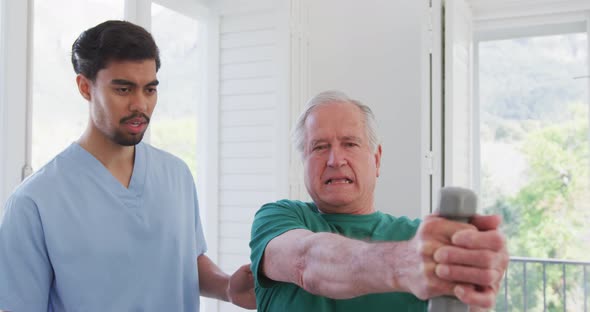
[564,289]
[585,291]
[506,288]
[524,286]
[544,287]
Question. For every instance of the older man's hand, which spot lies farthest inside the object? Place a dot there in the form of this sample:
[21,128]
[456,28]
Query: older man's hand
[476,261]
[420,278]
[467,260]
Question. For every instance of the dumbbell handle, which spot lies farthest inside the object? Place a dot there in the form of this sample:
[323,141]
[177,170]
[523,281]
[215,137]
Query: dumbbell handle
[458,204]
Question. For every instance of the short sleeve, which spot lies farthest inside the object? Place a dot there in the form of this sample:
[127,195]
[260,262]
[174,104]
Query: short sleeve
[271,221]
[25,270]
[200,236]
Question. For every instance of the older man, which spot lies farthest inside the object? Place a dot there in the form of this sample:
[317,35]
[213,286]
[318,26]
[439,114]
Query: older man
[338,253]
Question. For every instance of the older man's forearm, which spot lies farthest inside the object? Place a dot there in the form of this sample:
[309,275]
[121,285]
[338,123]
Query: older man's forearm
[340,267]
[334,266]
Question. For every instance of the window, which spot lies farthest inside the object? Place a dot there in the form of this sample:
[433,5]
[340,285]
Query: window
[60,114]
[174,124]
[535,161]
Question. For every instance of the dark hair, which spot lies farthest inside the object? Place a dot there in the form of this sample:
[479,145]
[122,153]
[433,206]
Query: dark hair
[112,40]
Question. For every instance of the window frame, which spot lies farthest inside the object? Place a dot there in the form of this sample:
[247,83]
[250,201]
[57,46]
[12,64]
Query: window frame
[13,120]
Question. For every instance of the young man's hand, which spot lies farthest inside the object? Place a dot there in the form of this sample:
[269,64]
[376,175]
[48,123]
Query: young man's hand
[240,290]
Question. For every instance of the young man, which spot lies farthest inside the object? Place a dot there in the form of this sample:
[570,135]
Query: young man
[111,224]
[339,253]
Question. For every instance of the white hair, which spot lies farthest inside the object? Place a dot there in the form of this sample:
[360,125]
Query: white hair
[332,96]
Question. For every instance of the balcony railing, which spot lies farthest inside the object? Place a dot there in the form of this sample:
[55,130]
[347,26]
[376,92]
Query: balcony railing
[532,284]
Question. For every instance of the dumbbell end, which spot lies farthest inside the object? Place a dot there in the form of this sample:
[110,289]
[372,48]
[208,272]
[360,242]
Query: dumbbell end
[457,203]
[447,304]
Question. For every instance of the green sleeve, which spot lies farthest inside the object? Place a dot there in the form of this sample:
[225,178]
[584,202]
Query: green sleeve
[270,221]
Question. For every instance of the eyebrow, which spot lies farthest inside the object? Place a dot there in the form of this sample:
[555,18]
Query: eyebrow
[125,82]
[315,142]
[341,138]
[350,138]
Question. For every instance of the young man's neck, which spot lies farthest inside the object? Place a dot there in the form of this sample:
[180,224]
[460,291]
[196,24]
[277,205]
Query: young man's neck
[113,156]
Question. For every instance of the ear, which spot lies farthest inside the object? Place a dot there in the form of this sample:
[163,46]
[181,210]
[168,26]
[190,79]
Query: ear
[84,86]
[378,158]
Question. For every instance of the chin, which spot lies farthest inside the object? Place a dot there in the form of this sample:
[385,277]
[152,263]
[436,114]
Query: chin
[335,202]
[128,140]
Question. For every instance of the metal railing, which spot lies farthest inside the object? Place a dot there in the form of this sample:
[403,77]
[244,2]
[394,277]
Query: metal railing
[554,285]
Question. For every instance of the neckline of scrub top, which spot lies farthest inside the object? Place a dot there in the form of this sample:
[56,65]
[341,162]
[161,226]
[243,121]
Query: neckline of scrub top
[131,195]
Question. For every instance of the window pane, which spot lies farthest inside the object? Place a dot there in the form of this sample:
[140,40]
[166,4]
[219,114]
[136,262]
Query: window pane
[535,163]
[59,112]
[174,122]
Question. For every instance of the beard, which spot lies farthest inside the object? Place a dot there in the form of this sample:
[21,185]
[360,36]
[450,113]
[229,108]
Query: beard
[127,139]
[117,133]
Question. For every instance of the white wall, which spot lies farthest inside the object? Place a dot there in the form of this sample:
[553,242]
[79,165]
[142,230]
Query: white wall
[372,50]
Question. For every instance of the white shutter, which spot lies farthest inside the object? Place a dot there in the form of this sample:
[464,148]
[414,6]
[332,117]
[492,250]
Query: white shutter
[253,132]
[299,72]
[458,102]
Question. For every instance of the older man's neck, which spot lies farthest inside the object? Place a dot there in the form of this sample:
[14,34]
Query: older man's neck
[352,209]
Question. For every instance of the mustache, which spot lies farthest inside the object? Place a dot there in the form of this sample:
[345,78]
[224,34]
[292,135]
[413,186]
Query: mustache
[136,115]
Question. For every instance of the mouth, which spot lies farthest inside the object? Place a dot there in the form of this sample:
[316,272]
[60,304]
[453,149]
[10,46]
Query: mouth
[136,119]
[338,181]
[136,123]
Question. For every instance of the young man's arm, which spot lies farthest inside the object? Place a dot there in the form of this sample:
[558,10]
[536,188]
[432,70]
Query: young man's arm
[237,288]
[334,266]
[25,267]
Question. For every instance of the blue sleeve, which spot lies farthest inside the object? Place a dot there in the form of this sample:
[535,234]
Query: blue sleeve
[25,270]
[200,237]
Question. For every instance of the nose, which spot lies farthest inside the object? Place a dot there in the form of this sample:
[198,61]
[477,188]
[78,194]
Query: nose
[138,102]
[336,158]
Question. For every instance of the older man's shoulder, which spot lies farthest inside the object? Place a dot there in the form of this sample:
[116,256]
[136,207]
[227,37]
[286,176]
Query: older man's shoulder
[291,205]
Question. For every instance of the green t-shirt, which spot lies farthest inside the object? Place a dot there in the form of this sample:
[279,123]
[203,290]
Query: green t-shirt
[277,218]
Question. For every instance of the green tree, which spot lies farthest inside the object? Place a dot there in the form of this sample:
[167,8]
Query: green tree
[546,217]
[551,206]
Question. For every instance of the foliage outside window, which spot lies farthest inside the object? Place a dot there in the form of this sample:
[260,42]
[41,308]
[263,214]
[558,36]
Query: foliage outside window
[535,160]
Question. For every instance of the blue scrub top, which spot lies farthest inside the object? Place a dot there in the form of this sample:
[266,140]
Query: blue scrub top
[73,238]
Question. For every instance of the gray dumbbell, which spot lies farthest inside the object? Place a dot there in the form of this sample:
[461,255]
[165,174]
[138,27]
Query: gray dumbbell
[458,204]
